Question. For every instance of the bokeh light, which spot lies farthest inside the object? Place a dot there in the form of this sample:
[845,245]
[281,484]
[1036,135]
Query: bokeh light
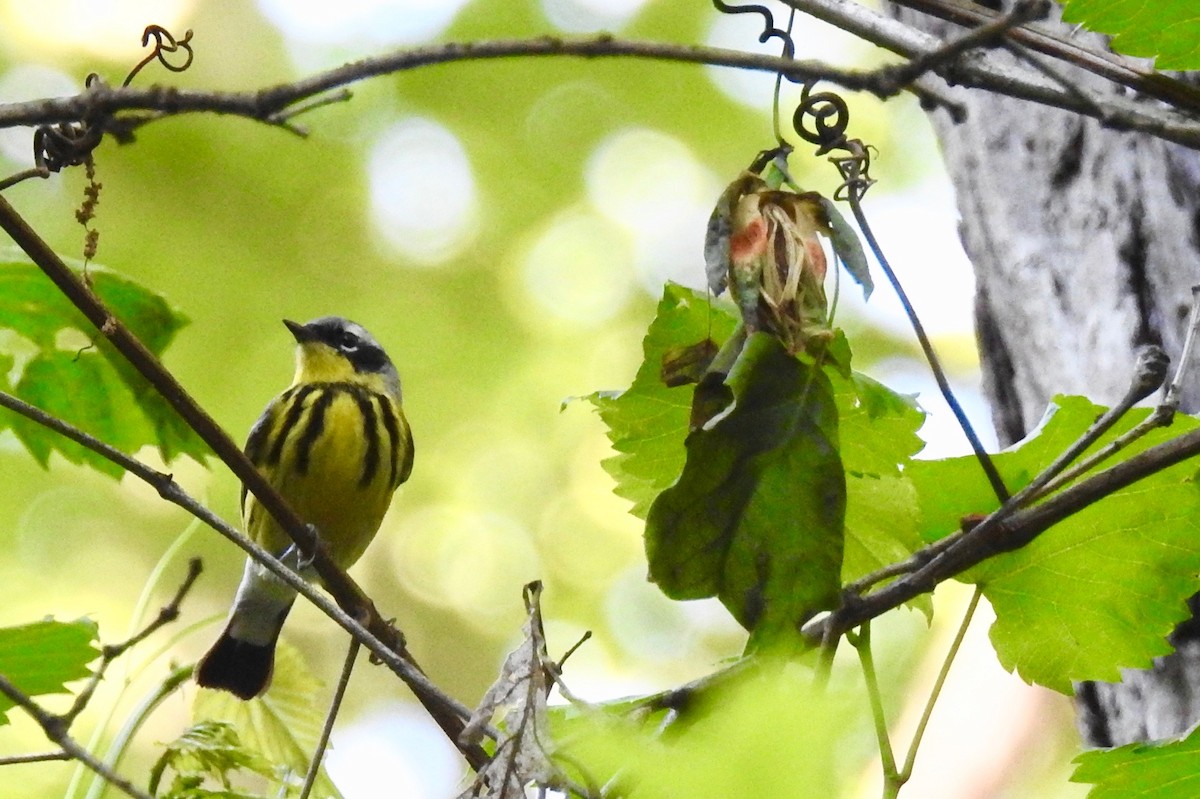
[586,16]
[423,200]
[653,185]
[577,268]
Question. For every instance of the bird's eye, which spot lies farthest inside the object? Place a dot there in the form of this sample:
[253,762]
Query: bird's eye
[349,342]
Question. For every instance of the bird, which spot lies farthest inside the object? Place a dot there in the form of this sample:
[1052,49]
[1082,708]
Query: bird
[336,445]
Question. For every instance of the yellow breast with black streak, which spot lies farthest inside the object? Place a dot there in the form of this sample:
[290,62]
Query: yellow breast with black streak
[336,451]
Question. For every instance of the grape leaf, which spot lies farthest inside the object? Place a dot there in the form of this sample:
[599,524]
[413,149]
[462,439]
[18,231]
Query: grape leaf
[878,434]
[756,517]
[648,422]
[1166,29]
[1097,592]
[92,386]
[1163,770]
[40,658]
[283,724]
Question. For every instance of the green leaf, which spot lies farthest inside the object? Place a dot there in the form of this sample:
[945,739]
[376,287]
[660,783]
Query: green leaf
[647,423]
[72,372]
[40,658]
[1166,29]
[209,750]
[1097,592]
[762,725]
[283,724]
[756,517]
[878,433]
[1163,770]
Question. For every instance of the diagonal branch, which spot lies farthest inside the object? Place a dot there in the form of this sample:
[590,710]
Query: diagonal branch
[55,729]
[998,533]
[445,710]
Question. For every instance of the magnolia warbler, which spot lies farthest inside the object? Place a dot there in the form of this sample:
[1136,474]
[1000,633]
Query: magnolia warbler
[336,445]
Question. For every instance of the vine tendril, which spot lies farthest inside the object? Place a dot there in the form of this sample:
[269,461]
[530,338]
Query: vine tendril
[164,43]
[821,118]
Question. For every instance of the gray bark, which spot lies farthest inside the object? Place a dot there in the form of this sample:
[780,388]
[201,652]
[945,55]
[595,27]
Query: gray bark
[1085,243]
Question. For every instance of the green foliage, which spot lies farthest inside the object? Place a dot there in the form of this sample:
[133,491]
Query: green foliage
[76,375]
[282,725]
[40,658]
[1164,770]
[1167,30]
[209,750]
[756,517]
[1097,592]
[753,737]
[647,423]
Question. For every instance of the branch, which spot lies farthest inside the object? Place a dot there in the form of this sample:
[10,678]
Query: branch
[55,729]
[278,105]
[997,534]
[984,70]
[109,653]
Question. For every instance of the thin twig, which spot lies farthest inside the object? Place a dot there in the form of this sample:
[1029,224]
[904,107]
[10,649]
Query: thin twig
[24,174]
[910,760]
[1109,66]
[108,654]
[314,768]
[987,34]
[992,536]
[935,366]
[44,757]
[119,107]
[1148,376]
[55,729]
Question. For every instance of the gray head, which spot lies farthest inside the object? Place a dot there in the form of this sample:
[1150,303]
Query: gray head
[333,349]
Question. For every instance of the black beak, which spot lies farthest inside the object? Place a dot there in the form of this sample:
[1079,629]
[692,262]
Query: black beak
[299,332]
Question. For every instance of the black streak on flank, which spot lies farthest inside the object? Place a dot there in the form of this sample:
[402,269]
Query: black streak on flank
[370,436]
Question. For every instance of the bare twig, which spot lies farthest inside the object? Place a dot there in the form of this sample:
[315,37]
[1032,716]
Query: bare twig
[935,366]
[167,614]
[123,109]
[55,729]
[43,757]
[994,535]
[314,768]
[989,33]
[983,70]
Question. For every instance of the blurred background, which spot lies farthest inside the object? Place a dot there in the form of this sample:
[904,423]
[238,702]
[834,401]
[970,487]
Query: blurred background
[504,228]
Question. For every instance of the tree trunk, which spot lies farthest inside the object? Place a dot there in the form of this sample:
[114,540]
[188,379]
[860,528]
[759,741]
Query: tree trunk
[1085,243]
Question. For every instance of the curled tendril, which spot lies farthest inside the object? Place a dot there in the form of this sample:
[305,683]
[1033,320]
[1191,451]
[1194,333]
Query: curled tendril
[164,43]
[65,144]
[769,29]
[821,118]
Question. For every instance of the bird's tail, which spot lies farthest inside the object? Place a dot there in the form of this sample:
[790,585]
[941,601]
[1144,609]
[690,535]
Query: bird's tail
[243,658]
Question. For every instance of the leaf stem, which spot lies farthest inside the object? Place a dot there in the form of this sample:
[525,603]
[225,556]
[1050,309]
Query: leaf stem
[861,641]
[906,772]
[314,768]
